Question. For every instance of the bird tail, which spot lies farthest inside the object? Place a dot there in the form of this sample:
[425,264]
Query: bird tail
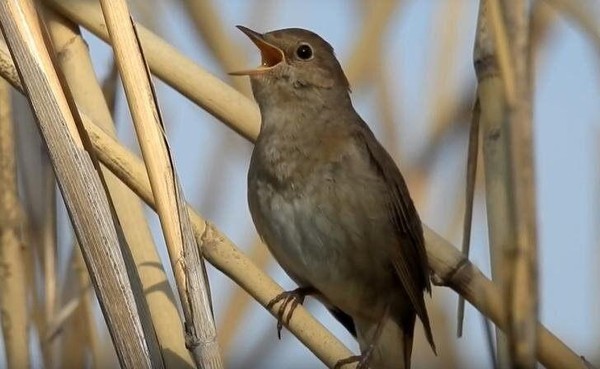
[393,349]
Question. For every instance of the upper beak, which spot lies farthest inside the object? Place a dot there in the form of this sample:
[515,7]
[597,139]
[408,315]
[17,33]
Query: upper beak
[270,54]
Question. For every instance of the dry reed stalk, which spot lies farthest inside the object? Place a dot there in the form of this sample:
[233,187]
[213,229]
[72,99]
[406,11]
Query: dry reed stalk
[471,179]
[86,309]
[74,323]
[14,312]
[495,150]
[543,25]
[495,153]
[37,193]
[46,238]
[506,122]
[500,47]
[522,257]
[74,59]
[110,86]
[211,29]
[41,228]
[178,71]
[79,182]
[585,14]
[186,261]
[445,260]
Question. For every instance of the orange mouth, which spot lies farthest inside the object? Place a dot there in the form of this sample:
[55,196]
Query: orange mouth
[271,55]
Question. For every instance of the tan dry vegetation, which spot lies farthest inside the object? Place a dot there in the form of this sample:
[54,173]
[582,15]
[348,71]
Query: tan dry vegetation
[155,294]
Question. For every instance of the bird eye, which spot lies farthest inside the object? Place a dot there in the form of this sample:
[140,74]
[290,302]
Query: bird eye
[304,52]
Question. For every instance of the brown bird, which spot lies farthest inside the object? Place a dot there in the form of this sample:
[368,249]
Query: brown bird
[330,203]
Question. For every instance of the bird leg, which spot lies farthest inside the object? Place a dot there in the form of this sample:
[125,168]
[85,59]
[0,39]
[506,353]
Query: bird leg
[365,357]
[289,301]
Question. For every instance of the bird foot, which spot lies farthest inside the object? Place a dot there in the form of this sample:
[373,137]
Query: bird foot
[362,359]
[289,302]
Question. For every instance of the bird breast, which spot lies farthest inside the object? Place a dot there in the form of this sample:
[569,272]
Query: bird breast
[316,226]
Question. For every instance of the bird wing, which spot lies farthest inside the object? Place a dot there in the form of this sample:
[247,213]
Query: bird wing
[409,258]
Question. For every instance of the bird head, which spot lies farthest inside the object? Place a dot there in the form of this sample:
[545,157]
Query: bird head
[296,63]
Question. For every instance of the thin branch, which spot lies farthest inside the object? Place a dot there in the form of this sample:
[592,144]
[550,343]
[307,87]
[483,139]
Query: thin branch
[471,179]
[66,312]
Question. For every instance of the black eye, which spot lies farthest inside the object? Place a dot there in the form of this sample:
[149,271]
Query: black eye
[304,52]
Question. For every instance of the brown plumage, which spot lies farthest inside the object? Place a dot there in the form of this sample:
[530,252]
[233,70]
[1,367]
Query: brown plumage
[329,201]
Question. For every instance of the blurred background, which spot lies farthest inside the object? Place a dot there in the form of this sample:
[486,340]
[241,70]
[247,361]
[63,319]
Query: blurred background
[410,67]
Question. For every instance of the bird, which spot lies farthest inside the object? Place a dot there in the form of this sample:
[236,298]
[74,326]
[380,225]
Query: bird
[331,204]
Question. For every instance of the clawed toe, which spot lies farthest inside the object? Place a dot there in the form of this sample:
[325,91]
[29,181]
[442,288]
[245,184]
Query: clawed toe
[363,360]
[289,302]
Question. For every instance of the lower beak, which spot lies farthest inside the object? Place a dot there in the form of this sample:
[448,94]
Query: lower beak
[270,54]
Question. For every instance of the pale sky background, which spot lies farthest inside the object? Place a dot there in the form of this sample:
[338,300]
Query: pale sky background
[567,133]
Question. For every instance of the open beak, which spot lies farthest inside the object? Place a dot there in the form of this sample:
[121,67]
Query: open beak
[271,55]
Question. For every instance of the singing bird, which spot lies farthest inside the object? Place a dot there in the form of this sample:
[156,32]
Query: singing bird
[330,203]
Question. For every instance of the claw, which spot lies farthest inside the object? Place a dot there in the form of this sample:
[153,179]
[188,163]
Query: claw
[289,299]
[362,359]
[365,357]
